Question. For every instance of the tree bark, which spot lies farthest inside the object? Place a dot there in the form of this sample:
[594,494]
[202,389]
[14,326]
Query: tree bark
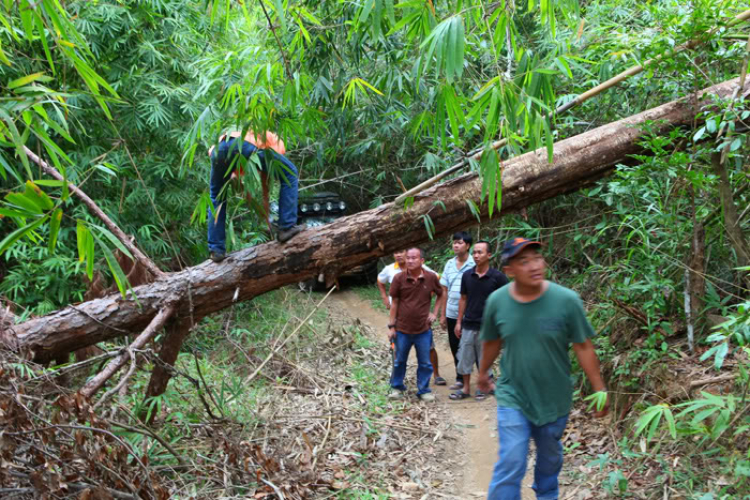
[153,328]
[177,332]
[351,241]
[731,220]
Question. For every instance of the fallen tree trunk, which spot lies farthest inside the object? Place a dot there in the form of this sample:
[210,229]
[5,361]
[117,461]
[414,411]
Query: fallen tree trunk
[349,241]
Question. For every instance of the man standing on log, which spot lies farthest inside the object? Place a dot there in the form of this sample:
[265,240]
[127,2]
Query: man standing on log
[476,286]
[535,321]
[227,162]
[410,323]
[451,283]
[385,277]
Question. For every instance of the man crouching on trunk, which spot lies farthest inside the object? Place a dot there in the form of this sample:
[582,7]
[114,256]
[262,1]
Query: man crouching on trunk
[410,323]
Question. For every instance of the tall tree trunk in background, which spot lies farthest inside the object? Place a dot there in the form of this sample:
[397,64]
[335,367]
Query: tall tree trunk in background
[731,220]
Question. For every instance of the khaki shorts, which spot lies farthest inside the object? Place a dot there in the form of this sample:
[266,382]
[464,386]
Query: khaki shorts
[469,351]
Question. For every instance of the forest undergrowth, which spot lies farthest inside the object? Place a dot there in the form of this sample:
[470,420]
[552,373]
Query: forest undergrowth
[312,422]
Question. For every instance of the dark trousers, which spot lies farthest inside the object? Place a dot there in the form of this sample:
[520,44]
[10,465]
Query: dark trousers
[454,343]
[222,160]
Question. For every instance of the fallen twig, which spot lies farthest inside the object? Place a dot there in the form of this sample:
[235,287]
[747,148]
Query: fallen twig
[281,344]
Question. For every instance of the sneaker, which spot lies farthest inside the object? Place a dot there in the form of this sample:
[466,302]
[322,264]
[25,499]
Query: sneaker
[396,394]
[217,256]
[427,397]
[285,235]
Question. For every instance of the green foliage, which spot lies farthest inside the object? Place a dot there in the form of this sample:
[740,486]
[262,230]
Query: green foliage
[736,328]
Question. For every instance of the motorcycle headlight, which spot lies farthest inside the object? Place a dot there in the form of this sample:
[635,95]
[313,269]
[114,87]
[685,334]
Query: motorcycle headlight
[316,207]
[342,205]
[329,206]
[303,208]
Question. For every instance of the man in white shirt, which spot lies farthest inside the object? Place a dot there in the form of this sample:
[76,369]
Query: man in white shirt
[385,277]
[451,283]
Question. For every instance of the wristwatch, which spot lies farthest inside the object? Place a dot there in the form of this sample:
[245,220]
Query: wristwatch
[391,325]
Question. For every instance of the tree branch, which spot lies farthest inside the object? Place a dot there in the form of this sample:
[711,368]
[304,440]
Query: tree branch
[97,382]
[278,41]
[114,228]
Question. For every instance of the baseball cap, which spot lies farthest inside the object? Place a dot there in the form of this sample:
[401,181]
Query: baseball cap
[514,246]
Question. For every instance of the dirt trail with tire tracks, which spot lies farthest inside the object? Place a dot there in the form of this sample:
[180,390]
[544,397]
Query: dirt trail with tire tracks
[477,451]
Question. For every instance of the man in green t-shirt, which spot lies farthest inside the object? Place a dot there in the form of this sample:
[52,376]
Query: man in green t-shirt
[535,321]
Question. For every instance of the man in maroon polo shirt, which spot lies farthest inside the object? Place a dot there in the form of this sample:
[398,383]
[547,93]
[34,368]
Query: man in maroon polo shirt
[410,323]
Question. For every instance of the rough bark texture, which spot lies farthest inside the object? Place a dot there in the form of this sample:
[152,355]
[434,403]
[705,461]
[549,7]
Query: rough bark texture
[113,366]
[731,220]
[177,332]
[347,242]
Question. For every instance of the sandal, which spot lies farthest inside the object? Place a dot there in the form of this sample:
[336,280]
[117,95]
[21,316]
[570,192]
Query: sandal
[440,381]
[456,386]
[480,396]
[458,395]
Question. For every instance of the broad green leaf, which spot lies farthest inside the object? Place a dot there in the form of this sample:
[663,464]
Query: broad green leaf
[9,240]
[81,235]
[18,82]
[22,201]
[54,229]
[49,182]
[18,142]
[43,37]
[117,273]
[112,238]
[8,212]
[549,140]
[366,9]
[35,193]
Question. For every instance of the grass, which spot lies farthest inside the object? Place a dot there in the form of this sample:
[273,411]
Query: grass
[372,295]
[226,348]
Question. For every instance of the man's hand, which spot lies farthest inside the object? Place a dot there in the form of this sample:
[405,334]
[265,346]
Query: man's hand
[431,318]
[586,355]
[444,321]
[387,304]
[483,382]
[392,334]
[457,330]
[604,411]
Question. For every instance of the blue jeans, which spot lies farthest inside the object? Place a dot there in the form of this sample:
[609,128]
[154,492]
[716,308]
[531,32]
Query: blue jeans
[421,342]
[514,431]
[223,161]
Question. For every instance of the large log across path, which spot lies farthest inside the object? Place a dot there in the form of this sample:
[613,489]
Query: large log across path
[350,241]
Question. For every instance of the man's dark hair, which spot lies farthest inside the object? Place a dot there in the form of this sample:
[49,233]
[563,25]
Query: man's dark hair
[465,236]
[489,248]
[421,252]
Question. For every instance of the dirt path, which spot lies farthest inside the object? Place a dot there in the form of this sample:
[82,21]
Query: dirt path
[476,419]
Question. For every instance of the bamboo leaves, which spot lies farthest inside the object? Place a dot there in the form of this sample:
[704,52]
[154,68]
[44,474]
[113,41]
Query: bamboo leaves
[492,184]
[357,85]
[446,43]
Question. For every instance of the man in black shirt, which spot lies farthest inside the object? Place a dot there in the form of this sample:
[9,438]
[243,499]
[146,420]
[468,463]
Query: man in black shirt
[476,285]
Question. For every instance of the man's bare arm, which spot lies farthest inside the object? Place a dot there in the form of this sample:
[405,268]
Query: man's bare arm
[490,351]
[384,295]
[588,360]
[444,307]
[461,309]
[392,318]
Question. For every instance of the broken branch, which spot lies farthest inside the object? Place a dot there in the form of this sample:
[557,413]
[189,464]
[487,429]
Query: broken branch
[97,382]
[113,228]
